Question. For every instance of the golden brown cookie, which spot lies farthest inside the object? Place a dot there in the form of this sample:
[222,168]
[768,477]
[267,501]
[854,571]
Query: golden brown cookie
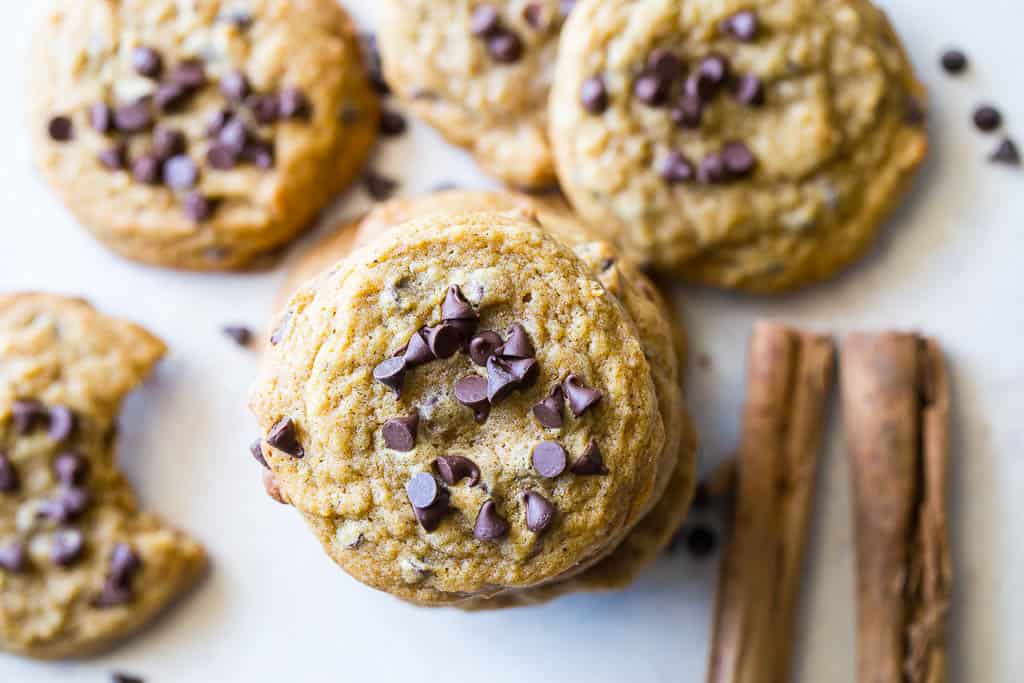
[80,564]
[198,135]
[754,145]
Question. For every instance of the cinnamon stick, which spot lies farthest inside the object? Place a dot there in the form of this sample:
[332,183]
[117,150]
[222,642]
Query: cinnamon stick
[788,384]
[896,418]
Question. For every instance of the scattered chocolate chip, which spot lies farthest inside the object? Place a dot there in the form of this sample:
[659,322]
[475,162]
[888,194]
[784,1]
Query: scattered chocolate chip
[278,334]
[217,121]
[198,207]
[548,410]
[168,142]
[987,118]
[455,468]
[712,169]
[483,346]
[235,86]
[456,307]
[391,373]
[284,437]
[444,340]
[533,14]
[190,74]
[581,396]
[240,334]
[147,169]
[700,87]
[71,469]
[1006,153]
[472,391]
[147,61]
[525,370]
[170,96]
[101,118]
[133,118]
[27,415]
[489,524]
[737,158]
[651,89]
[594,95]
[68,505]
[234,135]
[540,512]
[665,64]
[700,541]
[400,433]
[115,157]
[119,677]
[715,68]
[688,111]
[591,462]
[13,557]
[954,61]
[61,129]
[675,168]
[549,459]
[742,25]
[256,448]
[484,20]
[62,422]
[518,344]
[417,351]
[272,488]
[374,72]
[112,595]
[430,518]
[501,381]
[379,187]
[67,546]
[124,564]
[505,47]
[749,90]
[181,173]
[423,490]
[292,103]
[9,481]
[265,108]
[221,157]
[391,123]
[259,153]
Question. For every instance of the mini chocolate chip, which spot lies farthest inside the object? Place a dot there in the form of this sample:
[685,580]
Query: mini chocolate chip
[1006,153]
[675,168]
[954,61]
[400,433]
[455,468]
[170,96]
[190,74]
[101,118]
[737,158]
[581,396]
[455,306]
[594,95]
[391,123]
[62,422]
[651,89]
[483,346]
[119,677]
[715,67]
[423,490]
[444,340]
[749,90]
[61,129]
[9,481]
[665,63]
[259,153]
[540,512]
[234,135]
[180,173]
[500,380]
[284,437]
[235,86]
[124,564]
[533,14]
[742,25]
[505,47]
[265,108]
[472,391]
[71,469]
[549,459]
[256,448]
[197,206]
[278,334]
[701,541]
[67,546]
[417,351]
[221,157]
[27,415]
[133,118]
[518,344]
[987,118]
[13,557]
[489,524]
[548,410]
[115,157]
[391,373]
[147,169]
[168,142]
[700,87]
[591,462]
[217,121]
[112,595]
[688,111]
[484,20]
[69,504]
[379,187]
[712,169]
[293,104]
[147,61]
[240,334]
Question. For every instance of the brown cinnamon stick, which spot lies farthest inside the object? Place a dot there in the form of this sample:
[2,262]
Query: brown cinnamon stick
[788,384]
[896,417]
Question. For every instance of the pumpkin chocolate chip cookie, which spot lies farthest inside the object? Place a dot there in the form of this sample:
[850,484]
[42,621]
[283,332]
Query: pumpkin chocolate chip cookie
[199,135]
[80,564]
[751,144]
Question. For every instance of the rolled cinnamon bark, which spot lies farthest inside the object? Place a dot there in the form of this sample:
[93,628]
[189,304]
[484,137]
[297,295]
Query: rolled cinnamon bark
[788,384]
[896,419]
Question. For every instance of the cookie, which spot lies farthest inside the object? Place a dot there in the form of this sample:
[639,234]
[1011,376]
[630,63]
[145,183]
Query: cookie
[480,73]
[200,135]
[464,406]
[80,564]
[748,145]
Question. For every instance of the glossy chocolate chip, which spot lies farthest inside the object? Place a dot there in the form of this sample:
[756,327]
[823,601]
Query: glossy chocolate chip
[71,469]
[400,432]
[256,448]
[484,20]
[191,74]
[417,351]
[954,61]
[444,340]
[112,595]
[124,563]
[1006,153]
[688,111]
[423,490]
[62,421]
[67,505]
[379,187]
[235,86]
[181,173]
[170,96]
[590,463]
[168,142]
[738,159]
[518,344]
[234,135]
[742,25]
[483,346]
[9,481]
[987,118]
[392,124]
[147,169]
[651,89]
[581,396]
[391,373]
[265,108]
[27,415]
[456,307]
[197,206]
[501,380]
[101,118]
[715,68]
[133,118]
[13,557]
[285,437]
[472,391]
[665,64]
[594,95]
[272,488]
[675,168]
[549,459]
[533,15]
[259,153]
[60,128]
[221,157]
[115,157]
[749,90]
[455,468]
[292,103]
[540,512]
[712,169]
[147,61]
[489,524]
[524,369]
[548,410]
[505,47]
[66,547]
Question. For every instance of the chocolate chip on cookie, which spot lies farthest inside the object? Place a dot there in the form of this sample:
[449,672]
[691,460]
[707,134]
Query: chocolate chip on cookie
[712,169]
[581,396]
[115,157]
[749,90]
[651,88]
[688,111]
[742,25]
[71,469]
[9,481]
[737,158]
[190,74]
[483,345]
[125,563]
[68,505]
[417,351]
[1006,153]
[594,95]
[489,524]
[456,310]
[62,422]
[378,186]
[455,468]
[540,512]
[148,169]
[197,206]
[284,437]
[675,168]
[256,448]
[549,459]
[391,373]
[444,340]
[590,462]
[400,432]
[502,379]
[533,15]
[429,500]
[472,391]
[101,118]
[61,129]
[181,173]
[147,61]
[27,414]
[133,118]
[235,86]
[518,344]
[548,410]
[168,142]
[665,63]
[292,103]
[484,20]
[66,547]
[392,123]
[14,557]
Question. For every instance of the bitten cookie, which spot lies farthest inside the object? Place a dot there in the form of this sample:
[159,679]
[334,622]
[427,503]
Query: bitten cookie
[479,72]
[198,135]
[465,406]
[80,564]
[754,145]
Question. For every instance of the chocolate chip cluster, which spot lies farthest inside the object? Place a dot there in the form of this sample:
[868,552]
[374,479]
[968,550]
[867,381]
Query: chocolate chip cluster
[504,45]
[231,131]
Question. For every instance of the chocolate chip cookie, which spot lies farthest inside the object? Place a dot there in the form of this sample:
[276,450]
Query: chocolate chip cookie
[750,145]
[80,564]
[480,72]
[199,135]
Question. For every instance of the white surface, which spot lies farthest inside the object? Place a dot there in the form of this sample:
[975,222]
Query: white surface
[275,608]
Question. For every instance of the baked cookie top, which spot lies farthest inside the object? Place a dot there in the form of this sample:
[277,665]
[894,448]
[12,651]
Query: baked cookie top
[479,72]
[198,134]
[451,472]
[753,144]
[80,565]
